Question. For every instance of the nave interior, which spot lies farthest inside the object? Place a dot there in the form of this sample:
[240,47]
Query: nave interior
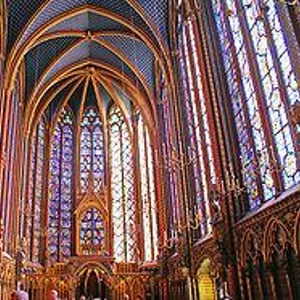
[150,149]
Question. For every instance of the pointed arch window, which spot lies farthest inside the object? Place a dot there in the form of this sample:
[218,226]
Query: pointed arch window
[131,163]
[199,130]
[61,188]
[168,126]
[148,197]
[36,191]
[91,149]
[122,186]
[263,88]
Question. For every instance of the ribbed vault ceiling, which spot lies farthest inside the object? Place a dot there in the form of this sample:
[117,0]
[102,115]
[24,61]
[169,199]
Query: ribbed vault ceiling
[107,45]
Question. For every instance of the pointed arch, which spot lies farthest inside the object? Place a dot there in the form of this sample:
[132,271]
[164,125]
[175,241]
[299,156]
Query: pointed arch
[92,149]
[19,50]
[36,186]
[250,246]
[297,234]
[41,98]
[61,188]
[148,196]
[251,37]
[122,187]
[276,239]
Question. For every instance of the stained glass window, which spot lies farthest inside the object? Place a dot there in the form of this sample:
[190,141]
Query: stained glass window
[171,169]
[147,192]
[122,187]
[10,145]
[199,131]
[262,88]
[36,191]
[31,192]
[131,178]
[61,188]
[91,149]
[92,232]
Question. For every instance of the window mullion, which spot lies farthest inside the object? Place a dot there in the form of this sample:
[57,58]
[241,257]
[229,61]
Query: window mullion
[281,82]
[92,151]
[144,133]
[197,100]
[195,167]
[123,192]
[207,115]
[60,193]
[255,74]
[237,77]
[27,182]
[44,198]
[253,94]
[36,146]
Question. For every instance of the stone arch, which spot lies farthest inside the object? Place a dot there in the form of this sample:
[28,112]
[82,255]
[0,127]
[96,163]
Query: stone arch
[94,265]
[296,241]
[249,247]
[93,270]
[276,239]
[252,265]
[202,255]
[279,253]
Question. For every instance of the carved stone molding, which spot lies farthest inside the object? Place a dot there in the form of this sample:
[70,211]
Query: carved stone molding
[273,228]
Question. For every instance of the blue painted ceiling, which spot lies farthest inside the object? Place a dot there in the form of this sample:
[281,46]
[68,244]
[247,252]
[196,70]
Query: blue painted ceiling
[129,54]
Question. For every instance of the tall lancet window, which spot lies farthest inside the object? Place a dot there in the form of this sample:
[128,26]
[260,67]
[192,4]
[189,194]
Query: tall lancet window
[148,205]
[169,146]
[61,188]
[91,149]
[263,88]
[35,191]
[122,186]
[199,130]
